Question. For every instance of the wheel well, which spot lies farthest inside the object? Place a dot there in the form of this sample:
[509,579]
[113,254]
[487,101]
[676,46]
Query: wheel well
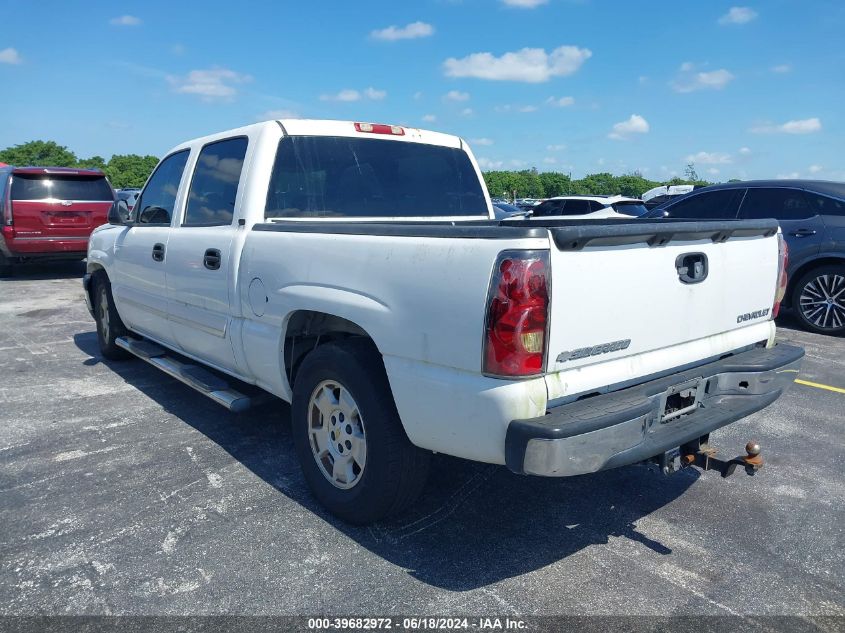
[308,329]
[810,265]
[95,270]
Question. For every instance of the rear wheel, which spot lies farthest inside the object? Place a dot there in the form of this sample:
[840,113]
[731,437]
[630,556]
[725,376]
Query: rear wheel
[349,439]
[819,300]
[109,325]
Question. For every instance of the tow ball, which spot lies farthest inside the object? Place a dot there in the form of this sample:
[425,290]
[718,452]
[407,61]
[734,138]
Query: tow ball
[701,455]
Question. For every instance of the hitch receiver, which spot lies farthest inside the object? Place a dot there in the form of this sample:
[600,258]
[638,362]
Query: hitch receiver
[700,454]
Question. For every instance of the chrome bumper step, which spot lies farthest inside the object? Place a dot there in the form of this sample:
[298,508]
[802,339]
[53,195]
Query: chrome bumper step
[206,382]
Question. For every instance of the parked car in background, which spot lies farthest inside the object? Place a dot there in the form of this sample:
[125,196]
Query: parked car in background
[811,214]
[130,196]
[49,212]
[527,203]
[665,193]
[503,211]
[594,207]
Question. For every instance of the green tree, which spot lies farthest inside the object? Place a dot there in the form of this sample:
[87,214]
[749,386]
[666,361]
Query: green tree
[95,162]
[39,154]
[130,170]
[555,184]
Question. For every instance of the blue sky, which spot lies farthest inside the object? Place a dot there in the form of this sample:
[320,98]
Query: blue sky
[745,90]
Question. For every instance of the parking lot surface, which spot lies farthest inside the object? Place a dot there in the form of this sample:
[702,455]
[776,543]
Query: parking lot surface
[123,491]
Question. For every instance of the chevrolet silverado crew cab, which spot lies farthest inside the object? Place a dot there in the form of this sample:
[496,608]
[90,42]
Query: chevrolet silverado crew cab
[356,271]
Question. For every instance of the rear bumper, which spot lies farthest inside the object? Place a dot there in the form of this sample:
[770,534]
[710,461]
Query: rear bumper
[627,426]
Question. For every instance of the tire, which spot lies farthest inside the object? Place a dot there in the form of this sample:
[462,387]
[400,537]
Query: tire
[392,471]
[818,299]
[109,325]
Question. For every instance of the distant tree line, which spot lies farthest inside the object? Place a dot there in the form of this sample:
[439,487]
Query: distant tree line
[529,183]
[123,170]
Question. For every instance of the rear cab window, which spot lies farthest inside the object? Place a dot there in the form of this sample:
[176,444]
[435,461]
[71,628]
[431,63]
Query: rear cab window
[636,209]
[340,177]
[61,187]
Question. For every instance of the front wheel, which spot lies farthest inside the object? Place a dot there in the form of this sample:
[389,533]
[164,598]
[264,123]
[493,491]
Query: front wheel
[109,325]
[354,453]
[819,300]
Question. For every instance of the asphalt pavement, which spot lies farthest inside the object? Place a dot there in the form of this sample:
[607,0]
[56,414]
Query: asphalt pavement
[123,491]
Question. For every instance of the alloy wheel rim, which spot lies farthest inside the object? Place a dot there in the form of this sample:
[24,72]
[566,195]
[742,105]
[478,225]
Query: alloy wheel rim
[336,434]
[822,301]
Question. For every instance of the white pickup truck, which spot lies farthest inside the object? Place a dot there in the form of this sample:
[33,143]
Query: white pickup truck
[355,270]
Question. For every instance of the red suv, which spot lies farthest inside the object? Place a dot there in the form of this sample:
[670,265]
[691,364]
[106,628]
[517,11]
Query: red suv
[49,212]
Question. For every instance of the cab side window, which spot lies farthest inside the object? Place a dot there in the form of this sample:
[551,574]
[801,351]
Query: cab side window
[155,205]
[211,198]
[778,203]
[824,205]
[549,207]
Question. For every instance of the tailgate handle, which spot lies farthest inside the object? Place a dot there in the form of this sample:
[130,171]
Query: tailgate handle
[691,267]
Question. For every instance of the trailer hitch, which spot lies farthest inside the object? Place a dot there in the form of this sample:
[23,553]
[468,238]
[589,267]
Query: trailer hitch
[701,455]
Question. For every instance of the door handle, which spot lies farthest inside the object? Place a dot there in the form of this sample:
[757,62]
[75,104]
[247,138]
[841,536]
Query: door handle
[802,233]
[158,252]
[211,259]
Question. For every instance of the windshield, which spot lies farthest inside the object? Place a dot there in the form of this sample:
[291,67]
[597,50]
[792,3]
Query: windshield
[637,209]
[47,186]
[337,177]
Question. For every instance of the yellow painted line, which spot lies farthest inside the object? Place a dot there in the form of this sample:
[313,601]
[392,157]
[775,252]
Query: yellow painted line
[819,385]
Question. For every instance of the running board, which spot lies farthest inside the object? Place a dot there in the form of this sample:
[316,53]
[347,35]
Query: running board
[195,376]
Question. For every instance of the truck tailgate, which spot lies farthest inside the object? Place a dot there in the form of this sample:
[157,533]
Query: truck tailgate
[621,289]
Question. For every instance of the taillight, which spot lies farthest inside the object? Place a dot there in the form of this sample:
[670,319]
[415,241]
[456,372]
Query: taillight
[380,128]
[783,263]
[8,231]
[517,325]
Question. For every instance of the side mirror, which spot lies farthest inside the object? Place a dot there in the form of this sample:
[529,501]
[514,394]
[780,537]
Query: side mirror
[119,213]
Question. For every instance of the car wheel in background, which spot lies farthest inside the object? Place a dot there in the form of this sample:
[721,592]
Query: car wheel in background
[818,299]
[354,453]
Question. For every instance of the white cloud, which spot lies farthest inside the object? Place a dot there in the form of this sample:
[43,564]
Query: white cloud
[408,32]
[531,65]
[710,158]
[562,102]
[481,141]
[272,115]
[789,176]
[797,126]
[738,15]
[781,68]
[418,95]
[10,56]
[690,81]
[635,124]
[713,171]
[125,20]
[375,95]
[814,169]
[515,108]
[456,95]
[745,151]
[429,118]
[467,112]
[211,84]
[349,95]
[550,160]
[556,148]
[524,4]
[486,163]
